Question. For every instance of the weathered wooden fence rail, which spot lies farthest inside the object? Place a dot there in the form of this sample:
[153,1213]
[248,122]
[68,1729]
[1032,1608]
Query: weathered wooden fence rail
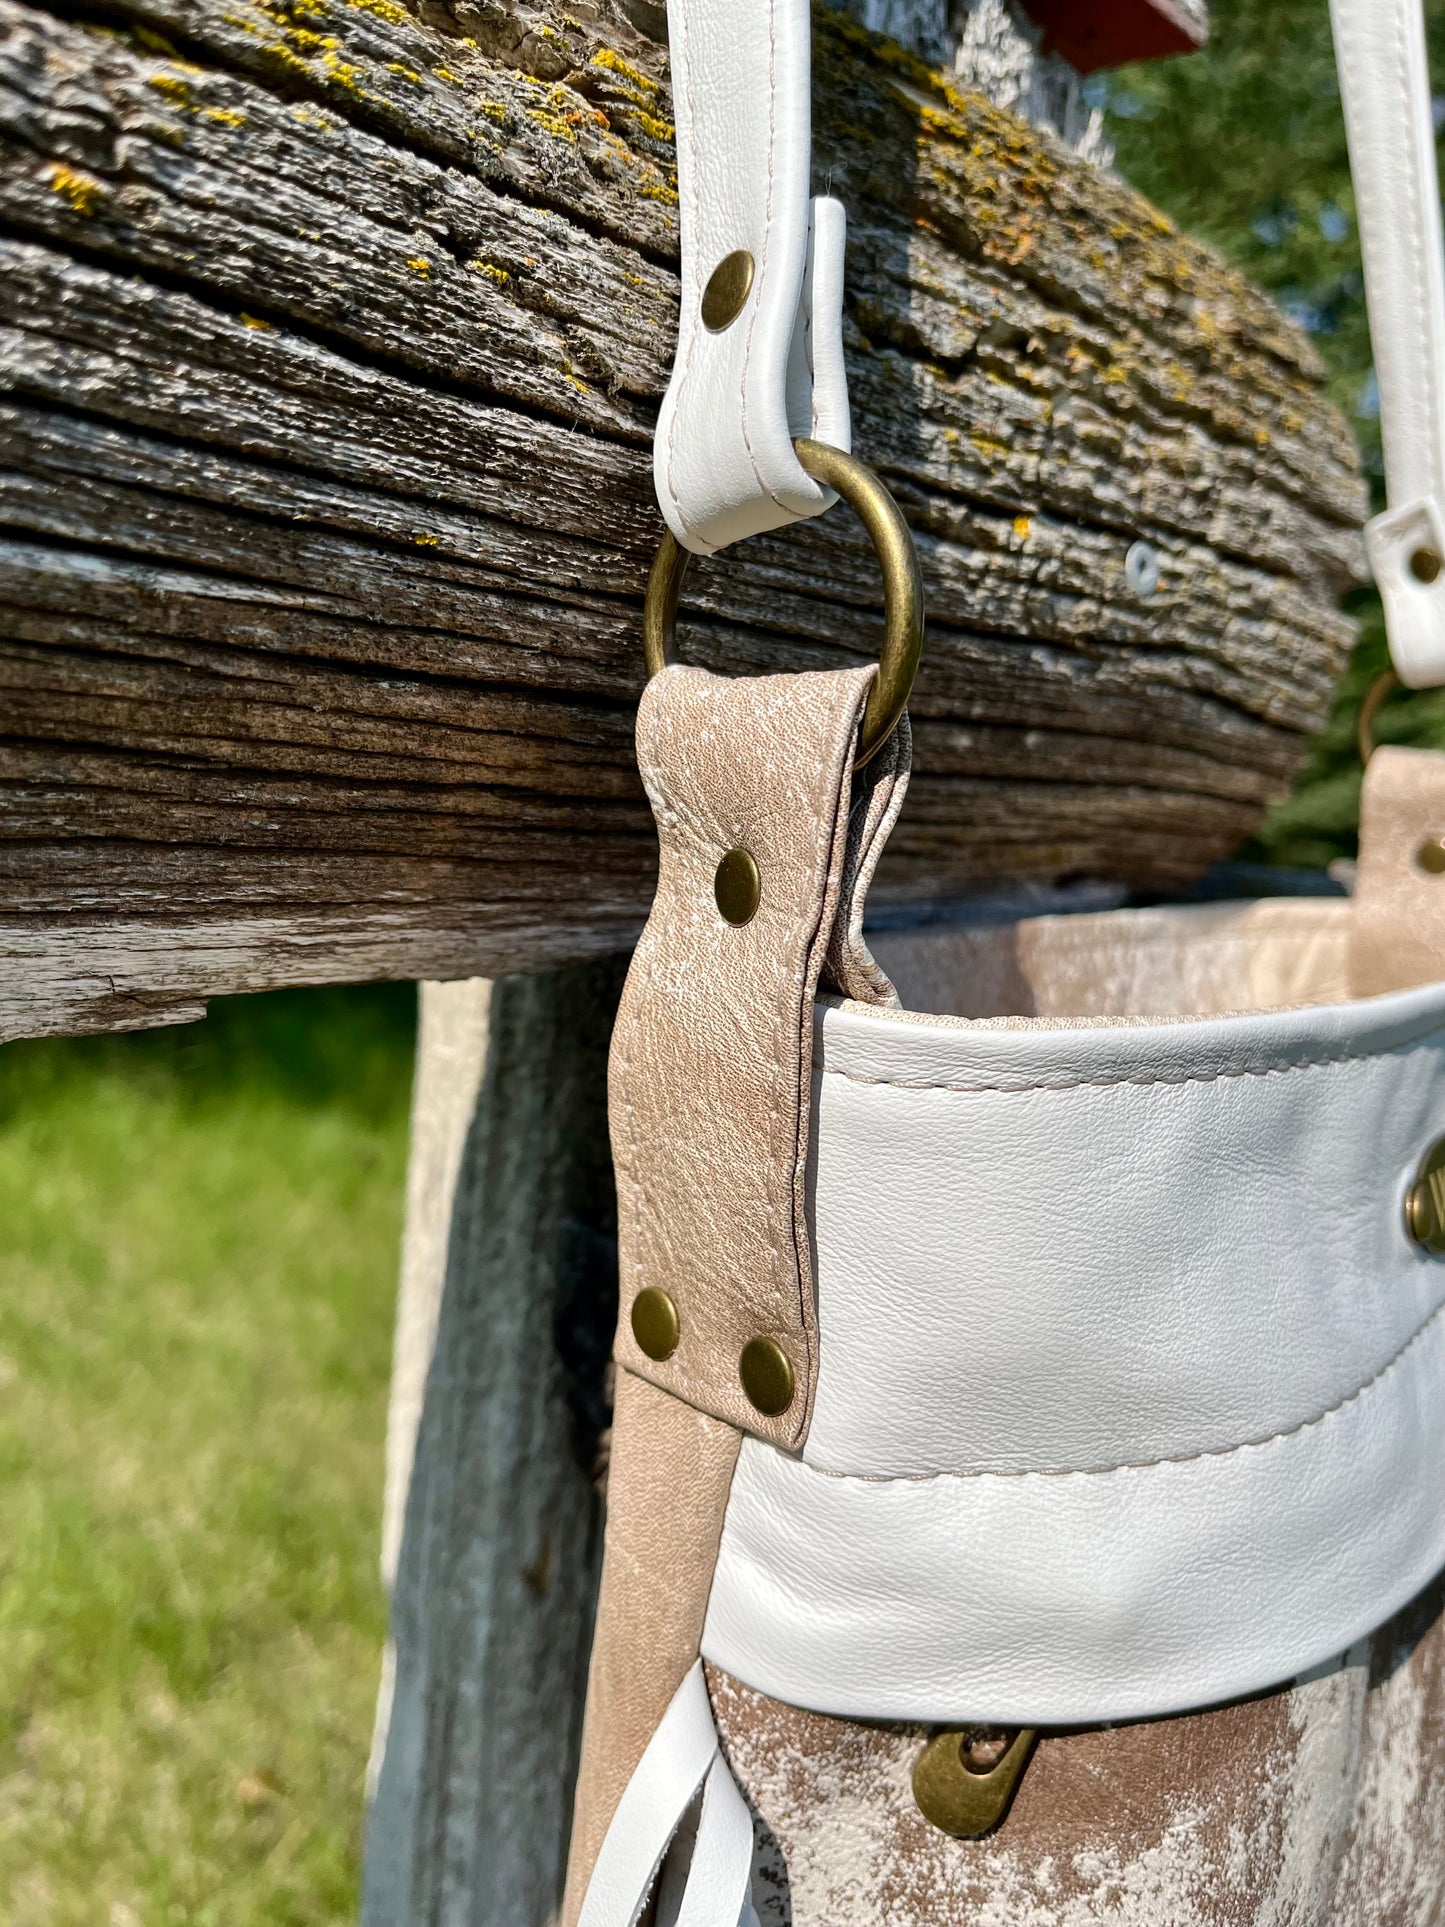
[330,338]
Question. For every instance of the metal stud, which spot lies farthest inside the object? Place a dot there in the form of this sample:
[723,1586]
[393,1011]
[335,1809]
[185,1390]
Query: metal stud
[654,1323]
[1141,568]
[727,290]
[963,1800]
[767,1376]
[1425,564]
[738,887]
[1430,857]
[1425,1202]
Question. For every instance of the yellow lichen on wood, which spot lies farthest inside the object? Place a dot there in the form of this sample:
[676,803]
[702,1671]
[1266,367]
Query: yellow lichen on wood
[173,87]
[84,193]
[635,85]
[341,73]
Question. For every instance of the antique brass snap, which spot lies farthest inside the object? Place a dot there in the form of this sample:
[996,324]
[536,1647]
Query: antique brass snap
[1425,564]
[727,290]
[767,1376]
[1430,857]
[861,489]
[963,1800]
[1425,1202]
[654,1323]
[738,887]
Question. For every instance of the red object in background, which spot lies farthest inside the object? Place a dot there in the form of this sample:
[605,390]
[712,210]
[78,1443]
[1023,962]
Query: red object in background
[1091,34]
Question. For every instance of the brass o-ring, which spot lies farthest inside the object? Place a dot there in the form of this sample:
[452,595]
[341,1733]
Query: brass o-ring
[892,543]
[1383,685]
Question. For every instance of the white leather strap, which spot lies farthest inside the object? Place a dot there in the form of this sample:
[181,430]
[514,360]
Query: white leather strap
[723,457]
[681,1757]
[1131,1393]
[1385,83]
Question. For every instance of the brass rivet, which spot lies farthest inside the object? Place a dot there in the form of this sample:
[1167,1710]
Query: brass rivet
[654,1323]
[738,887]
[1425,564]
[767,1376]
[1430,857]
[1425,1202]
[957,1798]
[727,290]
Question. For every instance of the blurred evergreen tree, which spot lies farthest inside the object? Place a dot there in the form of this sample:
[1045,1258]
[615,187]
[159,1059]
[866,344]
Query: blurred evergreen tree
[1244,146]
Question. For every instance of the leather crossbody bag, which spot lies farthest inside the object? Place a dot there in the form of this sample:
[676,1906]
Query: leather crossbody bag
[1031,1327]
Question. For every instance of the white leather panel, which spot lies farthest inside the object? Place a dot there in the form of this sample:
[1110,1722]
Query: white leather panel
[723,458]
[1066,1250]
[1132,1387]
[1385,84]
[1048,1599]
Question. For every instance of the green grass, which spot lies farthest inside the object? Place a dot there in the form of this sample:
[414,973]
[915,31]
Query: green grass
[199,1254]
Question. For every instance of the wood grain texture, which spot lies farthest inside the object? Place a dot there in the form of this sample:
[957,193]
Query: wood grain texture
[331,336]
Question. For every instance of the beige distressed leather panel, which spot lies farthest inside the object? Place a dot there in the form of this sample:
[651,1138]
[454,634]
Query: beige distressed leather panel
[711,1062]
[667,1490]
[1180,960]
[1210,959]
[1321,1805]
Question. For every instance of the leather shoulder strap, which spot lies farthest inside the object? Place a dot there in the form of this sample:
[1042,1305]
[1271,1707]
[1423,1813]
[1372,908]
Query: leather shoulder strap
[710,1082]
[754,371]
[1385,84]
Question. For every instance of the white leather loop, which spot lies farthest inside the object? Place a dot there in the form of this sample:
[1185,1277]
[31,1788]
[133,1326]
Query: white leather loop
[1131,1393]
[681,1757]
[1385,83]
[715,1883]
[723,457]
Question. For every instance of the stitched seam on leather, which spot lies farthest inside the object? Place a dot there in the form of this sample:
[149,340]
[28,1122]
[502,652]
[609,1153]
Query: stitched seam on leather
[1417,226]
[695,208]
[833,787]
[767,241]
[1312,1423]
[627,1035]
[1144,1083]
[801,939]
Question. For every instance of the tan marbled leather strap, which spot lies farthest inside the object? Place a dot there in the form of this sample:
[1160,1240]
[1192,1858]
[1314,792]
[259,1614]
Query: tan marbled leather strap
[667,1489]
[710,1102]
[711,1068]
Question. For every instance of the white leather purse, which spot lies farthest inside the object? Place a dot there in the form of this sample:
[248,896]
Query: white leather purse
[1074,1352]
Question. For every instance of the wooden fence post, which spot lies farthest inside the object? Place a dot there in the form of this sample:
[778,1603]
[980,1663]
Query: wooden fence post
[493,1525]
